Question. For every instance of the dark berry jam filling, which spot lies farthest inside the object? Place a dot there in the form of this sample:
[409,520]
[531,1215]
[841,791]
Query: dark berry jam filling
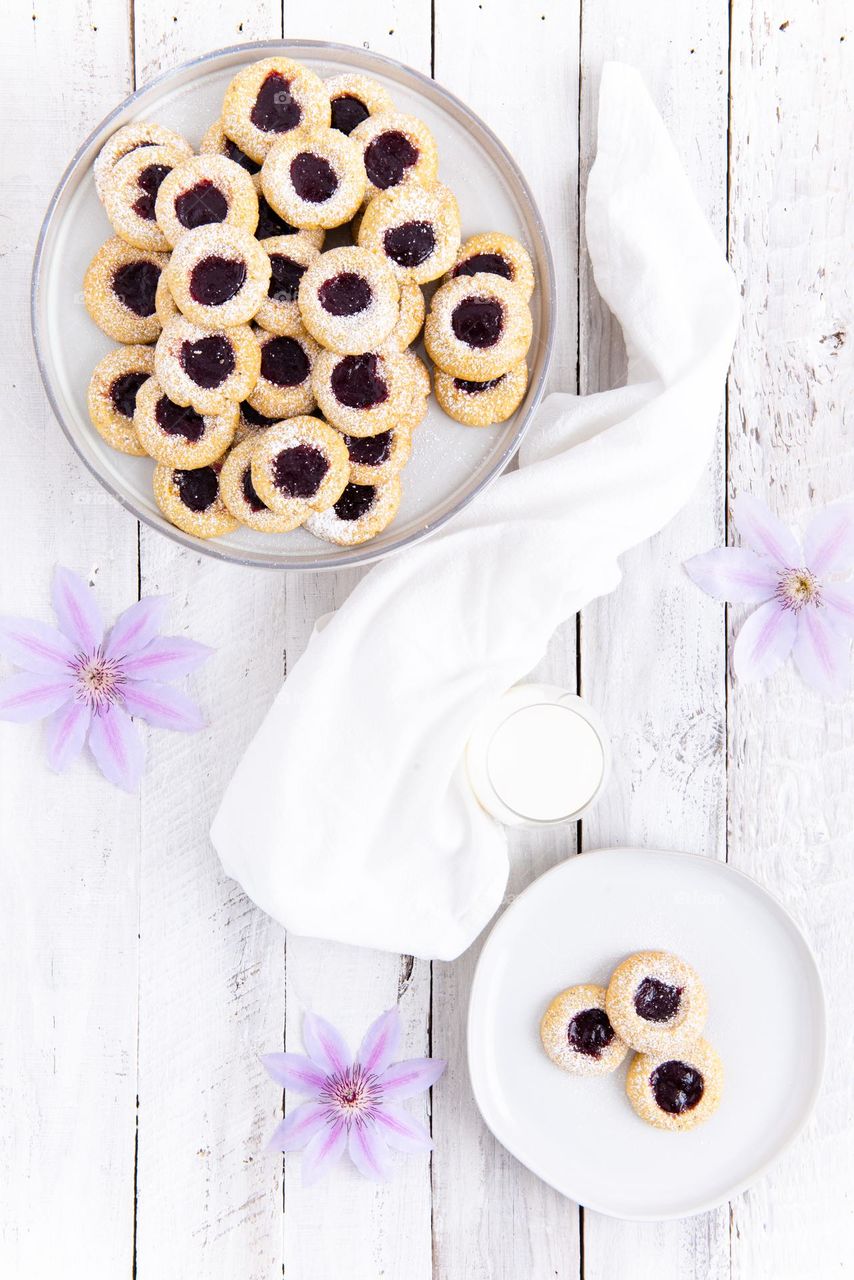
[253,417]
[249,495]
[355,502]
[285,275]
[216,280]
[369,451]
[176,421]
[197,489]
[298,472]
[123,392]
[314,180]
[202,204]
[345,294]
[240,157]
[135,285]
[275,110]
[676,1087]
[357,382]
[284,362]
[589,1032]
[347,112]
[492,263]
[388,157]
[208,361]
[656,1001]
[478,322]
[475,388]
[410,244]
[149,182]
[270,223]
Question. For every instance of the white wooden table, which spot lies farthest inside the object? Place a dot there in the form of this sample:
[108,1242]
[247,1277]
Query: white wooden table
[138,984]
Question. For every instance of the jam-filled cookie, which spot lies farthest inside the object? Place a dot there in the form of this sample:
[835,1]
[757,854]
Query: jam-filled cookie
[130,138]
[353,98]
[478,327]
[113,394]
[397,148]
[238,494]
[657,1002]
[290,257]
[165,306]
[299,466]
[272,98]
[120,288]
[676,1092]
[191,500]
[410,317]
[218,275]
[415,228]
[497,255]
[417,373]
[480,404]
[314,180]
[207,368]
[130,194]
[216,142]
[577,1034]
[348,300]
[362,395]
[203,190]
[250,422]
[270,224]
[375,459]
[179,435]
[361,512]
[283,389]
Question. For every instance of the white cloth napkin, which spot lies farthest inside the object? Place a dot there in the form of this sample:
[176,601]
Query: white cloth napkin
[349,816]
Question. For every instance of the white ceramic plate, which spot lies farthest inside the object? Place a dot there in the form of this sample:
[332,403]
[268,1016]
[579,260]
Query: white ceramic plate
[766,1020]
[450,464]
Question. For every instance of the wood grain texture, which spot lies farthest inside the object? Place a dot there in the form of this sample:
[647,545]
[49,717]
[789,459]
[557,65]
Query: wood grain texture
[791,806]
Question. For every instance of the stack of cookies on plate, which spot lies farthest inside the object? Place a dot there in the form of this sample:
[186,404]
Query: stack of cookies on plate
[281,391]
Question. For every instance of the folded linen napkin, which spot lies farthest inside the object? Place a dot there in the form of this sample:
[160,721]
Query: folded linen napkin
[349,817]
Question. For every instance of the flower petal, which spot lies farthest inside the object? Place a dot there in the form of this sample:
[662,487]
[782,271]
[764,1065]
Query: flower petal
[66,733]
[765,533]
[161,706]
[324,1150]
[821,654]
[764,642]
[166,658]
[736,574]
[294,1071]
[133,629]
[77,609]
[298,1126]
[829,540]
[35,646]
[837,599]
[380,1043]
[405,1079]
[401,1130]
[117,747]
[369,1152]
[28,696]
[325,1045]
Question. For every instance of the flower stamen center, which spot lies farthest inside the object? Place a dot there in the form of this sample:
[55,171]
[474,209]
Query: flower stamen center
[99,681]
[798,588]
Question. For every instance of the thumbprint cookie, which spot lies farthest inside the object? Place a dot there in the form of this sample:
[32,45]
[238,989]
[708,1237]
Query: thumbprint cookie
[301,463]
[120,288]
[657,1002]
[577,1034]
[349,300]
[480,404]
[250,422]
[179,435]
[191,500]
[204,190]
[238,494]
[396,149]
[496,254]
[130,138]
[375,459]
[353,98]
[113,393]
[410,318]
[164,303]
[130,194]
[207,368]
[415,228]
[218,275]
[290,257]
[362,395]
[283,389]
[270,99]
[478,327]
[314,180]
[270,224]
[361,512]
[676,1092]
[216,142]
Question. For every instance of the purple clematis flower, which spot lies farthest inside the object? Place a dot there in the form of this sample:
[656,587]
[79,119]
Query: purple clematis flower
[88,685]
[804,610]
[353,1103]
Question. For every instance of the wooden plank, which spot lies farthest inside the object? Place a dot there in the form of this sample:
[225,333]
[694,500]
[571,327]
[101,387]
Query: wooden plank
[791,752]
[212,965]
[480,1230]
[68,886]
[652,654]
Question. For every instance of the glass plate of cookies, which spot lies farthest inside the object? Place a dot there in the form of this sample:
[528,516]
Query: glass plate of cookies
[646,1031]
[293,305]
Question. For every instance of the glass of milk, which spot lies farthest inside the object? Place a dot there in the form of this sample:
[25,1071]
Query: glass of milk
[538,757]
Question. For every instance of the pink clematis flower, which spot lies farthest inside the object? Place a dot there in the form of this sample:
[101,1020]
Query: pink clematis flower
[88,685]
[353,1103]
[804,610]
